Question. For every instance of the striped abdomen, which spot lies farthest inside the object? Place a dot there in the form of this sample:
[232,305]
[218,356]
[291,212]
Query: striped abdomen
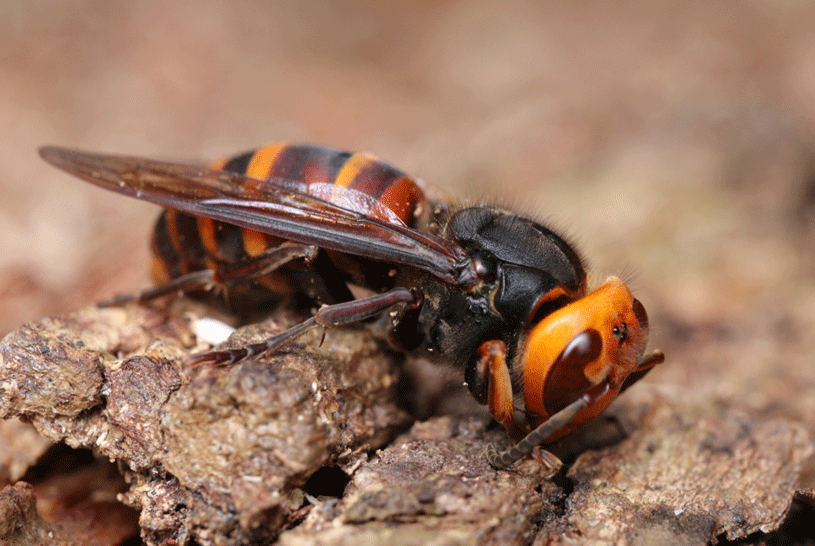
[183,243]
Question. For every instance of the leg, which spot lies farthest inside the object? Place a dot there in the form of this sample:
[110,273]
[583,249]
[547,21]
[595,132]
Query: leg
[197,280]
[327,317]
[507,458]
[258,266]
[492,365]
[265,262]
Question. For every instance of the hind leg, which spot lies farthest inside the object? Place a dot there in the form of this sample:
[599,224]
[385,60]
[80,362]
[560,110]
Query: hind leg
[256,267]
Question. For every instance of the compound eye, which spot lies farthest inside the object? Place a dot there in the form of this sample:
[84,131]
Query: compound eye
[639,312]
[567,380]
[582,349]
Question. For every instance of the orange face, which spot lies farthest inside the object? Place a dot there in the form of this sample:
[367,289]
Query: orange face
[600,337]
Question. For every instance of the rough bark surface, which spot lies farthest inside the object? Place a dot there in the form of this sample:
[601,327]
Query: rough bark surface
[685,477]
[213,455]
[78,508]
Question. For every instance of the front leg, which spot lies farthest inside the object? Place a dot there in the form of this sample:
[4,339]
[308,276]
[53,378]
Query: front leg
[507,458]
[492,366]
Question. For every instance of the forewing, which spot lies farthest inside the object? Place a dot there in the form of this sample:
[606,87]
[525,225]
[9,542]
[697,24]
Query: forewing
[273,209]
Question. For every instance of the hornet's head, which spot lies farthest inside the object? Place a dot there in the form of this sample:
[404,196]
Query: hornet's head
[598,338]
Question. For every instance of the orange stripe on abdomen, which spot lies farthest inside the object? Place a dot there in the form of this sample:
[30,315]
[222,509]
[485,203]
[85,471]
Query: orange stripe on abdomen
[260,166]
[254,242]
[350,170]
[206,231]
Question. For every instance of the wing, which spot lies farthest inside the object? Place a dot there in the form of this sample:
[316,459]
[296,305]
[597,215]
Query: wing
[278,211]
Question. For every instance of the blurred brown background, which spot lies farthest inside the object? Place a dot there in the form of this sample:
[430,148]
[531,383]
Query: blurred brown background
[674,142]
